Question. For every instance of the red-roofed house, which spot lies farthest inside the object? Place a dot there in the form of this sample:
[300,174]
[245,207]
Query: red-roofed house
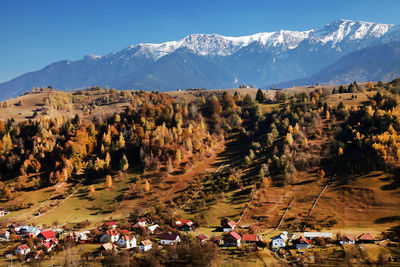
[46,236]
[109,236]
[2,212]
[201,238]
[250,239]
[232,239]
[169,238]
[366,238]
[302,243]
[22,250]
[110,225]
[184,225]
[49,245]
[347,239]
[145,245]
[142,222]
[228,225]
[127,241]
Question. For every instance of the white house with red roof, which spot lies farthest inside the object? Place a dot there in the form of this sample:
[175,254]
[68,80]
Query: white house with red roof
[347,239]
[145,245]
[184,225]
[50,244]
[232,239]
[142,222]
[4,235]
[228,225]
[169,238]
[22,250]
[127,241]
[110,236]
[46,236]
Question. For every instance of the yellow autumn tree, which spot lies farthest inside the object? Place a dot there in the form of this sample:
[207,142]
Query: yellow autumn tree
[92,189]
[321,174]
[121,141]
[108,181]
[340,151]
[146,186]
[305,142]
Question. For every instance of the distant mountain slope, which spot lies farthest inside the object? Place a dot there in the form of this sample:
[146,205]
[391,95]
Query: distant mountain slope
[374,63]
[211,60]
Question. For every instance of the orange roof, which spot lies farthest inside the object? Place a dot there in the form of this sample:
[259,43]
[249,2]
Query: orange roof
[128,237]
[366,236]
[249,237]
[146,242]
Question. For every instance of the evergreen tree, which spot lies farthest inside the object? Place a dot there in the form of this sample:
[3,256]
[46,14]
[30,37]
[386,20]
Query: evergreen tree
[341,89]
[334,91]
[260,96]
[123,163]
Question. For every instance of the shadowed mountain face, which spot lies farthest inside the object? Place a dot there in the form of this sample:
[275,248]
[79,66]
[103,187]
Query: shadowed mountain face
[212,60]
[381,62]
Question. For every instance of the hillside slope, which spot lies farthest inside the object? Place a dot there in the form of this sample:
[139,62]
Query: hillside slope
[375,63]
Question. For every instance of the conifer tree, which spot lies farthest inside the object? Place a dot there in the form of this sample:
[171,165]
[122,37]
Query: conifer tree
[260,96]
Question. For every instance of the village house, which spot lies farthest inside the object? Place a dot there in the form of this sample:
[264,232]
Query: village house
[302,243]
[347,239]
[145,245]
[46,236]
[29,230]
[22,250]
[232,239]
[109,236]
[127,241]
[279,240]
[201,238]
[152,228]
[169,238]
[184,225]
[250,239]
[49,245]
[366,238]
[4,235]
[228,225]
[142,222]
[83,236]
[110,225]
[2,212]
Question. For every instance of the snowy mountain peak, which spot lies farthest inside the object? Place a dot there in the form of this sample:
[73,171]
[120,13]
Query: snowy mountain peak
[280,41]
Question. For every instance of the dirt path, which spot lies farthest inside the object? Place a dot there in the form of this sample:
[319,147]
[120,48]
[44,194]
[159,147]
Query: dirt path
[53,208]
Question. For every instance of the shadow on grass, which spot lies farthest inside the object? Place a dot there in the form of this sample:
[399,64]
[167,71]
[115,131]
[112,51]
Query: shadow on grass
[388,219]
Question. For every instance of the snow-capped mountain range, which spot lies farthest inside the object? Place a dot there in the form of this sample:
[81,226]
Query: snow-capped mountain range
[218,45]
[212,60]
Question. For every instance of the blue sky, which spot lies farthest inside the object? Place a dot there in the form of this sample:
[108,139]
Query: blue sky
[35,33]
